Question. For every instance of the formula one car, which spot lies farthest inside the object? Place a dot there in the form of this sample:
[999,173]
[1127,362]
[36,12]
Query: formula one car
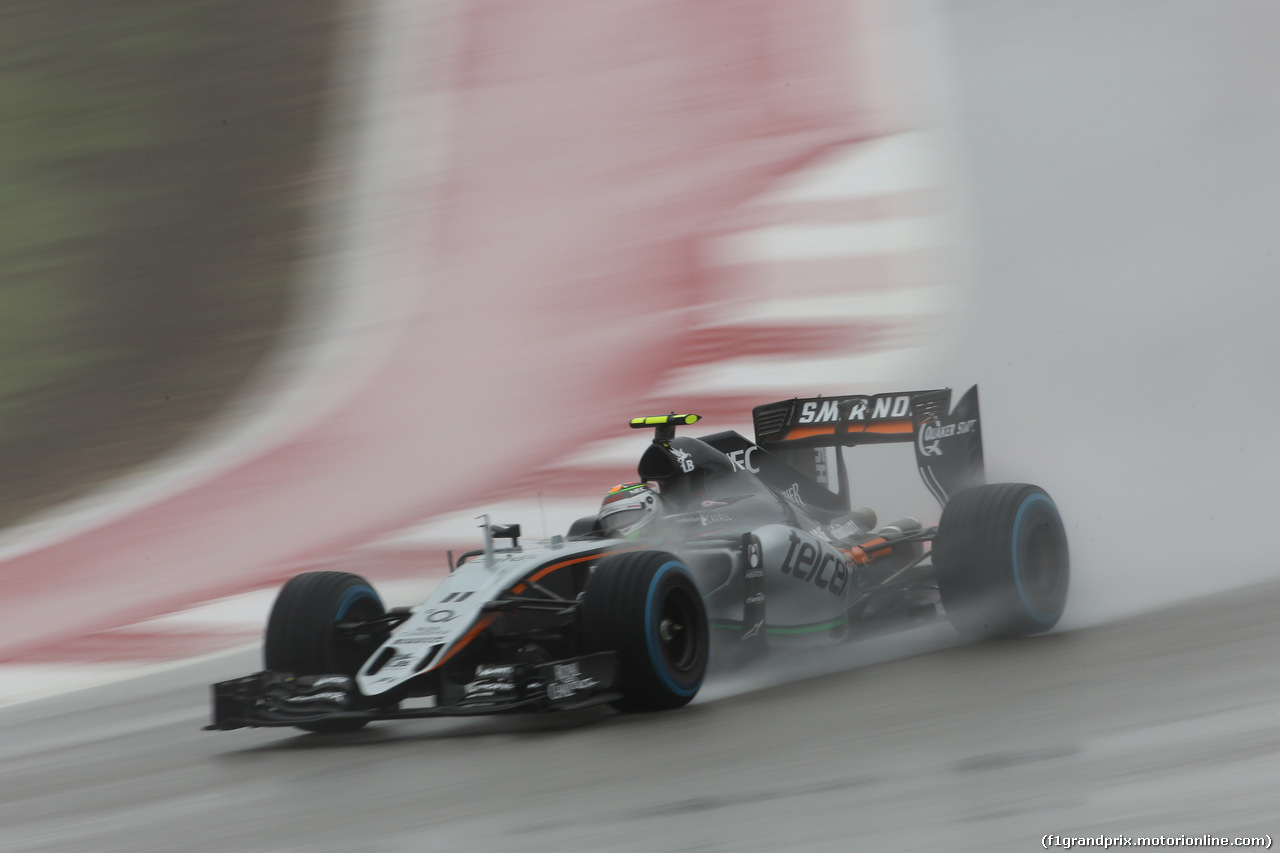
[723,547]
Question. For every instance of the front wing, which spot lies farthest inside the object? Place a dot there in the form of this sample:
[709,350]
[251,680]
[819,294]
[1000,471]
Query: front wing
[284,699]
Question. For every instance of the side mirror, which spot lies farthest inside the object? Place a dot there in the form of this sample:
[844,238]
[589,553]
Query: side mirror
[506,531]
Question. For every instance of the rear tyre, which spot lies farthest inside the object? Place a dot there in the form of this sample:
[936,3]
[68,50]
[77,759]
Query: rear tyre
[1002,561]
[301,631]
[645,606]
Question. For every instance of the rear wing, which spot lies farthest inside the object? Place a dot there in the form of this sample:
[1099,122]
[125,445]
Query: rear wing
[948,442]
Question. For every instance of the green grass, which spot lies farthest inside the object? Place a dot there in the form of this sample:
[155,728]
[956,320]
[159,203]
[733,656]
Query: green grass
[154,156]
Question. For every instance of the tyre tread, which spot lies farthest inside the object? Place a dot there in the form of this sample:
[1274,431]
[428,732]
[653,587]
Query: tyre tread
[613,619]
[973,554]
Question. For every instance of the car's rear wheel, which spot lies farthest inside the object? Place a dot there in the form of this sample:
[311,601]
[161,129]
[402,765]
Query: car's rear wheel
[302,632]
[1002,561]
[646,607]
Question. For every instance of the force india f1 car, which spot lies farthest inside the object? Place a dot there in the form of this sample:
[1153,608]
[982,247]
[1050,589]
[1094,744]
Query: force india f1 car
[724,543]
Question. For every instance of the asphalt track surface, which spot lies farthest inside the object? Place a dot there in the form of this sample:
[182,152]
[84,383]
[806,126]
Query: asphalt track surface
[1164,723]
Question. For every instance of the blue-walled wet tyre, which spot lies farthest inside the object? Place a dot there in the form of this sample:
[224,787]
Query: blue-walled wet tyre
[645,606]
[301,633]
[1002,561]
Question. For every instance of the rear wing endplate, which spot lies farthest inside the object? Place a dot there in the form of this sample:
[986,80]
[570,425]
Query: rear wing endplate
[948,442]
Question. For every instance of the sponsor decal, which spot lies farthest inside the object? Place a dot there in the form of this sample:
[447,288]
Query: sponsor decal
[880,407]
[440,615]
[793,494]
[927,438]
[753,555]
[742,460]
[426,632]
[568,681]
[814,563]
[753,630]
[408,641]
[567,671]
[684,458]
[332,696]
[476,689]
[811,414]
[502,673]
[821,470]
[931,433]
[709,518]
[400,660]
[844,530]
[891,407]
[820,533]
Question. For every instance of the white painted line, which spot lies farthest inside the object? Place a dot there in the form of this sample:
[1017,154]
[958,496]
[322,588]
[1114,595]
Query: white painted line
[406,593]
[29,682]
[23,682]
[909,303]
[789,377]
[249,611]
[527,512]
[1200,729]
[250,608]
[233,617]
[803,242]
[613,451]
[894,164]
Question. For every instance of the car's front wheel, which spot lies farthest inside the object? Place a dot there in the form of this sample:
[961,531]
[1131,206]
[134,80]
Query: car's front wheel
[646,607]
[302,632]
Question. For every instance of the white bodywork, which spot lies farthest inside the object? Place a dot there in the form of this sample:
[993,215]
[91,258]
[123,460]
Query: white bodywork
[439,625]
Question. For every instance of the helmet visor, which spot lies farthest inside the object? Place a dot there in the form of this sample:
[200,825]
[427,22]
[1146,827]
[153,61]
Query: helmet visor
[624,519]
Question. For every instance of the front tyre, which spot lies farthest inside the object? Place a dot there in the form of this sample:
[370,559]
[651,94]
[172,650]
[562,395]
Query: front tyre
[646,607]
[1002,561]
[302,632]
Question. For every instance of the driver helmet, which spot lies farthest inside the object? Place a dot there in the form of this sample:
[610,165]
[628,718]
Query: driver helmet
[630,510]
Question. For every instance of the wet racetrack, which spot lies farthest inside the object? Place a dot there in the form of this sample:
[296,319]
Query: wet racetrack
[1168,723]
[1160,723]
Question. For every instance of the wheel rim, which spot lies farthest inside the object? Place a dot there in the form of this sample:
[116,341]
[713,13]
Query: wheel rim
[350,652]
[678,637]
[1041,574]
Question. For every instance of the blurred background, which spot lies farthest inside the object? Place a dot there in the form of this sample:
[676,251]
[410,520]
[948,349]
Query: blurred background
[429,256]
[1117,160]
[156,163]
[1095,181]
